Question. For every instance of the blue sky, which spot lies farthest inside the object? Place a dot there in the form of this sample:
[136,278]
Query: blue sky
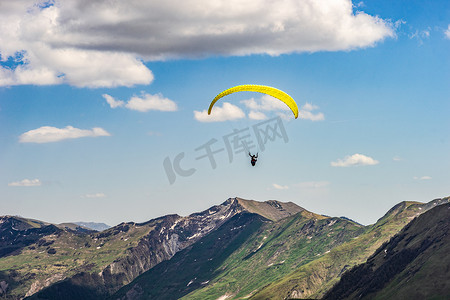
[371,80]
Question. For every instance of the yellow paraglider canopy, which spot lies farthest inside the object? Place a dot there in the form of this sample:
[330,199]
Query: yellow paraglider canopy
[276,93]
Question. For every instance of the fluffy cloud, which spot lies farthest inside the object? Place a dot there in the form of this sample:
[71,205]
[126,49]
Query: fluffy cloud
[355,160]
[148,102]
[268,103]
[48,134]
[143,103]
[227,112]
[32,34]
[113,103]
[447,32]
[256,115]
[280,187]
[265,103]
[306,113]
[102,43]
[423,178]
[26,182]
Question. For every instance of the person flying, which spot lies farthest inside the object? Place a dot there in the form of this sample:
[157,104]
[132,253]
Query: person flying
[254,158]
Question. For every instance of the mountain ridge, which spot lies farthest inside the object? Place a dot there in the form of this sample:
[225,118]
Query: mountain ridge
[100,263]
[402,267]
[315,278]
[153,241]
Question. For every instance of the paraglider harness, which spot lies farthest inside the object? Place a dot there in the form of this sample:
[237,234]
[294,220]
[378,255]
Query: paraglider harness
[254,158]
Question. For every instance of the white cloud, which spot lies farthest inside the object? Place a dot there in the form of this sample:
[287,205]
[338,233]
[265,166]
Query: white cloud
[265,103]
[447,32]
[148,102]
[227,112]
[268,103]
[143,103]
[313,184]
[102,43]
[113,103]
[309,107]
[95,195]
[423,178]
[42,39]
[280,187]
[397,158]
[306,113]
[256,115]
[48,134]
[26,182]
[355,160]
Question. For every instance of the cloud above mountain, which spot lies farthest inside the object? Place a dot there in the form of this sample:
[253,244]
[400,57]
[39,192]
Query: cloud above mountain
[102,43]
[49,134]
[26,183]
[355,160]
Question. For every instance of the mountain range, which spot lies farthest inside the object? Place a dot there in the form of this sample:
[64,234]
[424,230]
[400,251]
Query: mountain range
[93,225]
[240,249]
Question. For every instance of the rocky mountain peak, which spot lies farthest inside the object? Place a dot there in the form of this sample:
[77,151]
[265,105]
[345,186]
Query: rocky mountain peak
[271,209]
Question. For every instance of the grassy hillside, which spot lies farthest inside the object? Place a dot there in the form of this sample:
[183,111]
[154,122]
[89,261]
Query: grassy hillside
[104,272]
[58,254]
[282,251]
[313,279]
[414,264]
[194,266]
[274,251]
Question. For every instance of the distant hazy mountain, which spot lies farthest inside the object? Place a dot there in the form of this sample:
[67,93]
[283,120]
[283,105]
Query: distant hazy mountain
[414,264]
[93,225]
[239,249]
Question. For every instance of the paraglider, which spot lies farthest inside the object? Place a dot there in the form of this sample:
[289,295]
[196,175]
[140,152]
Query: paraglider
[254,158]
[276,93]
[271,91]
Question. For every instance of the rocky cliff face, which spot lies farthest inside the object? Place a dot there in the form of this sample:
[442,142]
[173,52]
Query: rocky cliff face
[169,235]
[174,233]
[165,236]
[194,266]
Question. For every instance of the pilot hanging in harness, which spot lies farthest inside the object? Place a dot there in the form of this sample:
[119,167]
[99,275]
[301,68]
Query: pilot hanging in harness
[254,158]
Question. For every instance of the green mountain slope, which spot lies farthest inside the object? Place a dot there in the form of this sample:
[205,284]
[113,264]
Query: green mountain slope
[240,249]
[260,256]
[92,265]
[414,264]
[195,266]
[51,254]
[275,251]
[312,280]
